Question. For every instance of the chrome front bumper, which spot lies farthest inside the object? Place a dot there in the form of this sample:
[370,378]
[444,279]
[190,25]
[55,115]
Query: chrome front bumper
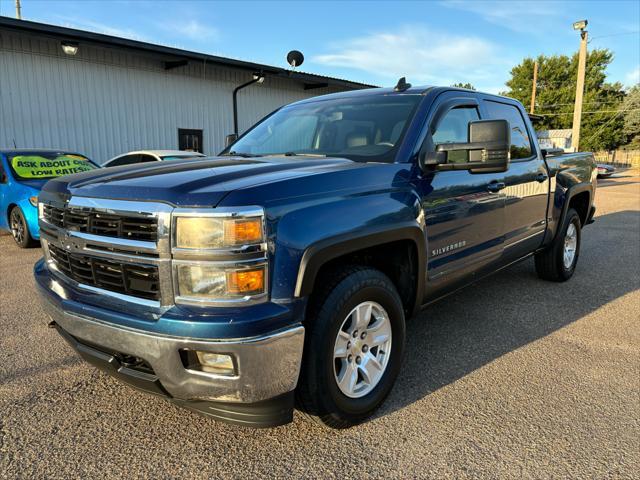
[267,366]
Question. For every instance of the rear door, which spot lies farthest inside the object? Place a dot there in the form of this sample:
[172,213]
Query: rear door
[527,183]
[464,212]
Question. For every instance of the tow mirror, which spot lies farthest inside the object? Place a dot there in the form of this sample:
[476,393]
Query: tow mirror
[229,139]
[486,151]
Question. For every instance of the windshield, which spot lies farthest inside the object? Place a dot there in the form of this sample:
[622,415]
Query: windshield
[368,128]
[30,165]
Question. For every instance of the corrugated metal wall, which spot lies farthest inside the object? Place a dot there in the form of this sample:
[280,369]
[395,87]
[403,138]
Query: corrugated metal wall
[103,102]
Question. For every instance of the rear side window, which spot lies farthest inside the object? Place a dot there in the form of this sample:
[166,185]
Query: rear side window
[126,160]
[520,140]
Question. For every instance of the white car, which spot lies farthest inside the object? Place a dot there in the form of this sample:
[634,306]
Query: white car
[150,156]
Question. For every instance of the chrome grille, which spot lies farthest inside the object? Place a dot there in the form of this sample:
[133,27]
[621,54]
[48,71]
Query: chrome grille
[119,247]
[104,224]
[126,278]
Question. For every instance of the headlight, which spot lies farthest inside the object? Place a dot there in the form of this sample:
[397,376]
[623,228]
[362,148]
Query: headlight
[34,200]
[219,256]
[210,282]
[195,232]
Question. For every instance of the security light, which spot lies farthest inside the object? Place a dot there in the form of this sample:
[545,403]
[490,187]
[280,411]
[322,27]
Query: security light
[580,25]
[69,48]
[258,77]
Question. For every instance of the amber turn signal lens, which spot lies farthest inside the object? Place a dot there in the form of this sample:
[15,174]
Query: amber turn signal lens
[247,282]
[240,232]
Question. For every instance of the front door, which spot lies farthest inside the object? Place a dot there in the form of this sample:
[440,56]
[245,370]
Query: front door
[464,211]
[527,185]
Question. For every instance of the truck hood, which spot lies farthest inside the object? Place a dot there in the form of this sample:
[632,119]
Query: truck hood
[202,183]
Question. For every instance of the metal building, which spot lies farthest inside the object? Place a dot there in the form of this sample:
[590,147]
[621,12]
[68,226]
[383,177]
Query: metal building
[101,95]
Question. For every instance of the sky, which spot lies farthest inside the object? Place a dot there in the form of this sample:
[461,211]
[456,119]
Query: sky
[430,42]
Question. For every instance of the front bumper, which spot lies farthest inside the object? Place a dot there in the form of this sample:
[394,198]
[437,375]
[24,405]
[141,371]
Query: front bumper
[259,394]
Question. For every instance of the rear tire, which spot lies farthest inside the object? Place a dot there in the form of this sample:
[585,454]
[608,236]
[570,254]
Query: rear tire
[558,262]
[354,344]
[20,229]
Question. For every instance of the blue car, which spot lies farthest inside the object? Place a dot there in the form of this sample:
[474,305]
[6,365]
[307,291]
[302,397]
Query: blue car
[22,175]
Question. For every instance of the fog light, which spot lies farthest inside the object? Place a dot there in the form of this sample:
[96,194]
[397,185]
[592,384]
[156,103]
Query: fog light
[218,363]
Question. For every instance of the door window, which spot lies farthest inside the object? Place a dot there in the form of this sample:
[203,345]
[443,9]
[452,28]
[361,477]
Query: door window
[125,160]
[453,127]
[520,139]
[147,158]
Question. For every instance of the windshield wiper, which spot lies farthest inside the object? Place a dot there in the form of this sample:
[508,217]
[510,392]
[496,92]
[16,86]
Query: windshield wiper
[240,154]
[294,154]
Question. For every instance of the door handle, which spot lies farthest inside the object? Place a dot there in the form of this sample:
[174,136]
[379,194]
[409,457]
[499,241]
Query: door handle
[541,177]
[495,187]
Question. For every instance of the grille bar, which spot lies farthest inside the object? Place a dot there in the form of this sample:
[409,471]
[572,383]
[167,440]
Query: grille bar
[130,279]
[107,225]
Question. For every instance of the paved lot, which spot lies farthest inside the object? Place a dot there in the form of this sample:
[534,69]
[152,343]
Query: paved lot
[513,377]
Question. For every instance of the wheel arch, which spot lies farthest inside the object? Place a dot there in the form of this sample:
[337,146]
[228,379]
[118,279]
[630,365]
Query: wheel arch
[348,247]
[10,207]
[580,196]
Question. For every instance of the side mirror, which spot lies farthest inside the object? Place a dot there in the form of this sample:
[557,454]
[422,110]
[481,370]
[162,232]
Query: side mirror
[487,150]
[229,139]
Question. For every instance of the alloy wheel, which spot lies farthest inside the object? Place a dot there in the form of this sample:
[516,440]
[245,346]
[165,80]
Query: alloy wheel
[17,227]
[570,246]
[362,349]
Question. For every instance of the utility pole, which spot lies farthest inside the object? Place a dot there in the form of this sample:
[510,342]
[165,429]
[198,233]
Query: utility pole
[533,87]
[18,10]
[582,61]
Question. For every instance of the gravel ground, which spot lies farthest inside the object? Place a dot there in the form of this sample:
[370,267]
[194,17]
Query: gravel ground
[512,377]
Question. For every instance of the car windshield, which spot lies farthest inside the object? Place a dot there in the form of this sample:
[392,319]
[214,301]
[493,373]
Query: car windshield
[368,129]
[35,165]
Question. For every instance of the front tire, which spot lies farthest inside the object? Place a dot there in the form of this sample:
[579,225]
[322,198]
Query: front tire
[19,229]
[354,344]
[558,262]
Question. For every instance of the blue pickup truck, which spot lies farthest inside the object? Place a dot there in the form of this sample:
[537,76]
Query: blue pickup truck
[280,273]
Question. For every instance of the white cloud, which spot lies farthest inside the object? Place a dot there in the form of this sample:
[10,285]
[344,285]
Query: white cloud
[633,77]
[97,27]
[515,15]
[192,29]
[422,55]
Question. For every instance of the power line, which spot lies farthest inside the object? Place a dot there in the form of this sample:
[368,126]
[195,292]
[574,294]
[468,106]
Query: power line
[609,121]
[615,35]
[584,103]
[593,112]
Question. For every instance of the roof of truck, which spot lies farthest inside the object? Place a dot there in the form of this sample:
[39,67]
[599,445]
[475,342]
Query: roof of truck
[417,90]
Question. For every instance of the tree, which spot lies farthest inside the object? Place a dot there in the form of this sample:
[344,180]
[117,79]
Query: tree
[464,85]
[631,112]
[602,123]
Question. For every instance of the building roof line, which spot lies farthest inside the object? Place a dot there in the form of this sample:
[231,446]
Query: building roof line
[175,54]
